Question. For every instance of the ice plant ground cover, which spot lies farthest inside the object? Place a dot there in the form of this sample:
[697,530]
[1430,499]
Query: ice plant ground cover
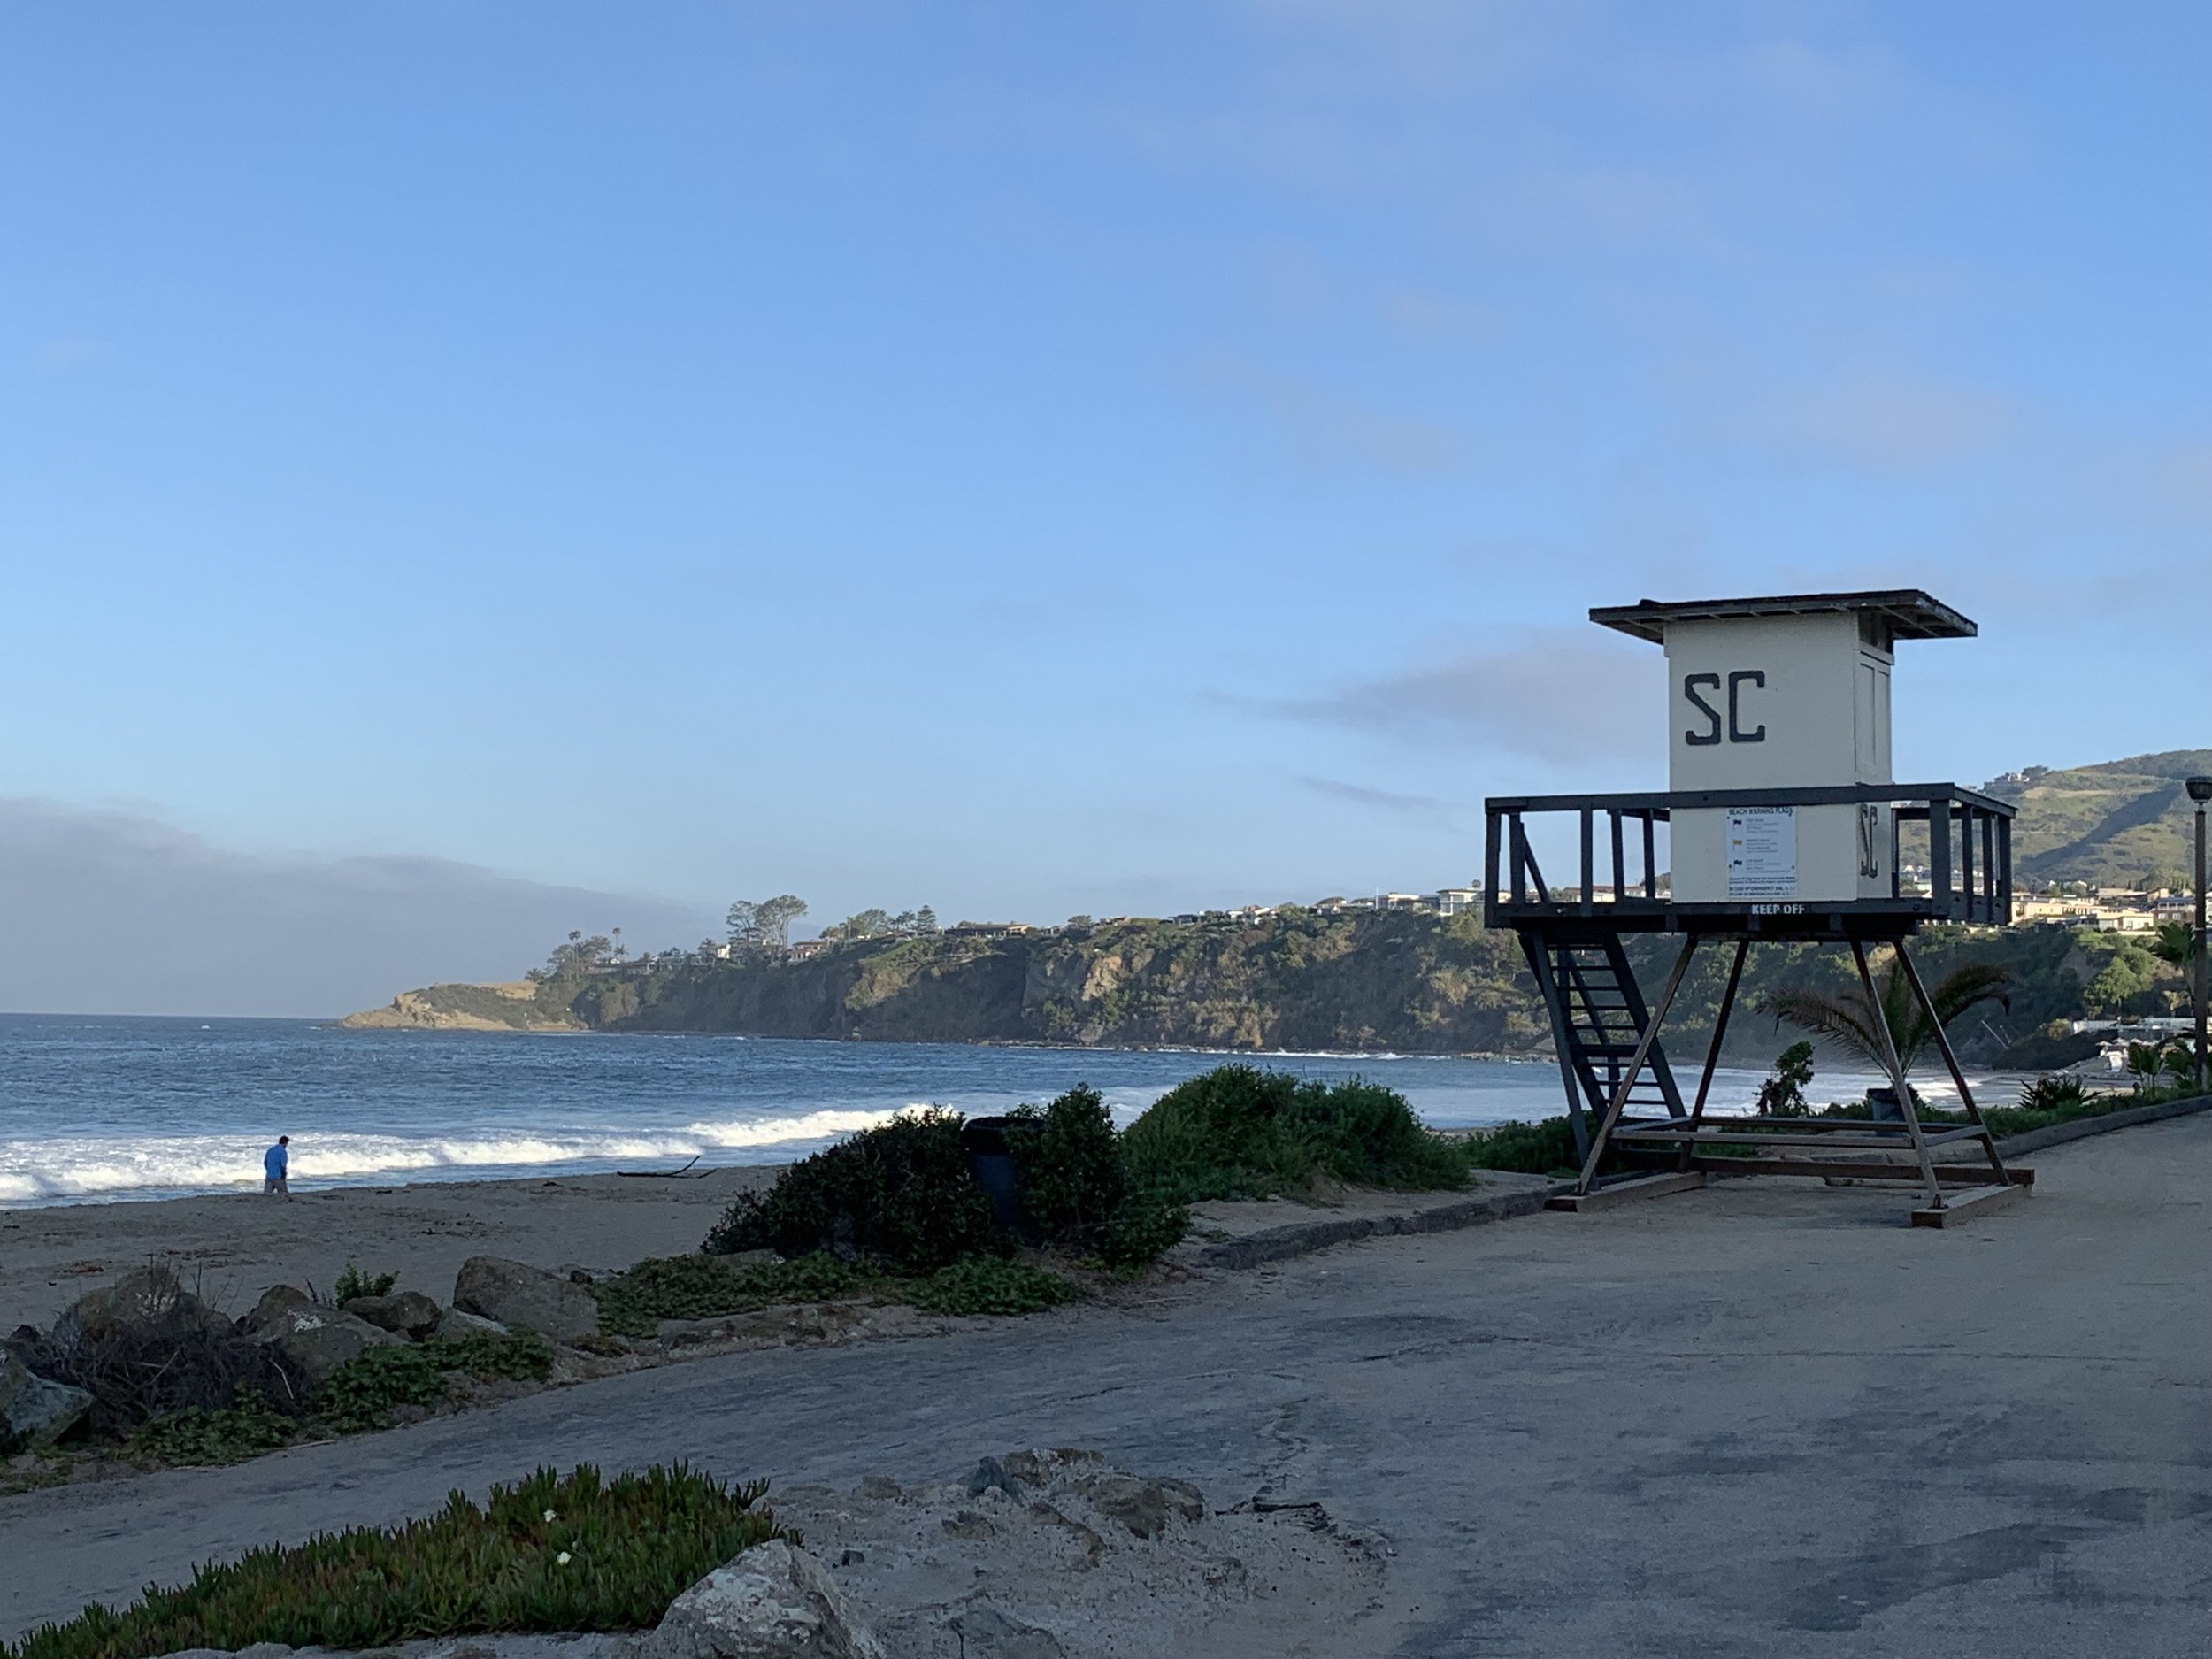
[551,1552]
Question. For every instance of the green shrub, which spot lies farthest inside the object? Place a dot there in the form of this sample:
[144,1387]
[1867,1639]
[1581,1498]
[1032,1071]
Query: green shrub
[353,1282]
[2054,1094]
[1147,1225]
[899,1193]
[706,1287]
[1238,1131]
[1073,1177]
[362,1393]
[1783,1093]
[612,1557]
[196,1435]
[986,1284]
[1547,1148]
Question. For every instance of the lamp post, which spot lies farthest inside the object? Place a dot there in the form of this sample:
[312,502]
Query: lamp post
[2199,791]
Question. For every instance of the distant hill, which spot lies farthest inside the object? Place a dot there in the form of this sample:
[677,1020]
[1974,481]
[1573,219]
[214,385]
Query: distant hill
[2116,824]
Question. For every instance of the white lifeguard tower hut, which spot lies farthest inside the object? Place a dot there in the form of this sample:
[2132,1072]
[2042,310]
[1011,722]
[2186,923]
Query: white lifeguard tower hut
[1784,823]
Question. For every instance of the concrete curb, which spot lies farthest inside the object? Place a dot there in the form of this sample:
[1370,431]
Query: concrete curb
[2058,1134]
[1302,1238]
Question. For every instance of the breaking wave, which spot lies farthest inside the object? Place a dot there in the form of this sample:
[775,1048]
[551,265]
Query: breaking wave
[76,1168]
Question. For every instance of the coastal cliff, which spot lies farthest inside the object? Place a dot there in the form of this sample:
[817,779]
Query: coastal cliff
[1405,981]
[511,1006]
[1302,980]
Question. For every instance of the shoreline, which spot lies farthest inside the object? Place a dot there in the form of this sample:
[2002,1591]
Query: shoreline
[237,1245]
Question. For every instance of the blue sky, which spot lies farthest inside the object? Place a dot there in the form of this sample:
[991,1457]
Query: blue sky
[1029,459]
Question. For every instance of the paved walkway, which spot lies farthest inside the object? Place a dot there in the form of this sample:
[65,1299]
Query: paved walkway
[1760,1419]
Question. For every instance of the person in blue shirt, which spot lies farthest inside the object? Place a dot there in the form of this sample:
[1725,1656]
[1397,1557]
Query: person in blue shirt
[277,1163]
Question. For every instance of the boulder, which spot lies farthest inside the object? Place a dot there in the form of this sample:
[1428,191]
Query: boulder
[277,1299]
[454,1325]
[407,1313]
[514,1293]
[774,1602]
[34,1410]
[320,1339]
[145,1296]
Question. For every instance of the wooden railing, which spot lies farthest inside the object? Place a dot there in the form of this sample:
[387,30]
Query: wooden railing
[1969,863]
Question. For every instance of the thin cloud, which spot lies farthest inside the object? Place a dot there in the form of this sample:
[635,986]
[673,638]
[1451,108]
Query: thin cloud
[1555,697]
[1388,800]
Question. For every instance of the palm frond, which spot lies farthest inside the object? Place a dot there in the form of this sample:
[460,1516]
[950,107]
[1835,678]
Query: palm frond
[1843,1018]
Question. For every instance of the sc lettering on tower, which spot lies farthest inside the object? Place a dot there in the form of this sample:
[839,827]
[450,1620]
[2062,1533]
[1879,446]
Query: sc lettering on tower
[1732,729]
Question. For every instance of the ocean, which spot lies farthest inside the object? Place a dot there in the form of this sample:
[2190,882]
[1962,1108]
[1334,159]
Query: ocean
[104,1107]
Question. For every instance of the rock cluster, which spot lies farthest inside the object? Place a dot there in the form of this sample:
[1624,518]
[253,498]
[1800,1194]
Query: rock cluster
[151,1308]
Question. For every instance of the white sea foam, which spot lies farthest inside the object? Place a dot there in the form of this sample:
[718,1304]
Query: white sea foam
[85,1167]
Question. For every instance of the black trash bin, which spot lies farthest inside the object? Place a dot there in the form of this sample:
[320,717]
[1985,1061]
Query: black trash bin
[991,1162]
[1883,1103]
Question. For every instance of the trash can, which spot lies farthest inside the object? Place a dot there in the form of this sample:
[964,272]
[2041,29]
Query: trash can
[1882,1102]
[991,1162]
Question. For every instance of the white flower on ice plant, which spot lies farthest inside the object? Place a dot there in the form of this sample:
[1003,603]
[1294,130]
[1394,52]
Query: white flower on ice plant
[550,1516]
[561,1560]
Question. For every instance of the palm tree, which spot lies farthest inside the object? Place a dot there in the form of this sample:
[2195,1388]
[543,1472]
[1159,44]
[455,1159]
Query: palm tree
[1844,1019]
[2175,942]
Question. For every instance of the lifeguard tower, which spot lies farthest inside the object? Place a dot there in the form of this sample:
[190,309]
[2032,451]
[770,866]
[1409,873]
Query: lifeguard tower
[1783,824]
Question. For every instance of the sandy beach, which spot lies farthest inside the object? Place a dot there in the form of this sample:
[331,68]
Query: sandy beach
[237,1244]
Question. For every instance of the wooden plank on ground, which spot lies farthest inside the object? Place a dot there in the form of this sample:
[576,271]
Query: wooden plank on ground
[1629,1191]
[1971,1205]
[1858,1169]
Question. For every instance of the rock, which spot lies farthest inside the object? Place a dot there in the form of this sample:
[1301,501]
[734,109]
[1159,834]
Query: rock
[1043,1466]
[1182,1497]
[407,1313]
[986,1634]
[277,1299]
[1139,1505]
[989,1474]
[774,1602]
[514,1293]
[456,1326]
[881,1486]
[320,1339]
[968,1523]
[34,1410]
[145,1296]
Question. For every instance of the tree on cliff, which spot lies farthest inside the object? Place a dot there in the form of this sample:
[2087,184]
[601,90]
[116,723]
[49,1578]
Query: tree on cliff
[766,925]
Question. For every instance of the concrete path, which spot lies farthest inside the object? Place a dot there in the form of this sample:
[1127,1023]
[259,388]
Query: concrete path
[1763,1418]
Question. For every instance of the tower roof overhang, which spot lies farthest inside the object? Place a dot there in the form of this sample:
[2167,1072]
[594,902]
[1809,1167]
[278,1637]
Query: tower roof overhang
[1909,613]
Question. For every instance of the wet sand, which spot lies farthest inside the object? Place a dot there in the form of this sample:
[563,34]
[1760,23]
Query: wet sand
[237,1244]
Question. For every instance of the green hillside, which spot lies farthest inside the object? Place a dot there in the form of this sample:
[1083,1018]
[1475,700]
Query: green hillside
[2118,824]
